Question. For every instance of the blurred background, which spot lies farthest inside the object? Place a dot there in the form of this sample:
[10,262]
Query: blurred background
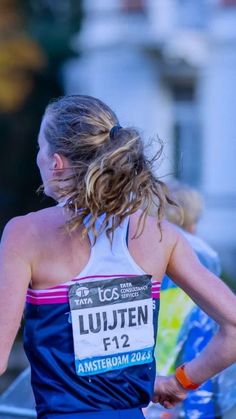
[165,66]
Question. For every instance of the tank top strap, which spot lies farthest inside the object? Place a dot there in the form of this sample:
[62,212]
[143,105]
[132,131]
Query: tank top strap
[111,257]
[108,256]
[98,225]
[120,236]
[119,239]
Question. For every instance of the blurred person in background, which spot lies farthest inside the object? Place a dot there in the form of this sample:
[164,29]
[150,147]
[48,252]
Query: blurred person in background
[90,269]
[186,330]
[191,205]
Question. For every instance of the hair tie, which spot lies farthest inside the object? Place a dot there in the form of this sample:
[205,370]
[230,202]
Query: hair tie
[114,130]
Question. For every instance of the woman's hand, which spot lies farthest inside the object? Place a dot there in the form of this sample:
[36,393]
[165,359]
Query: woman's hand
[168,391]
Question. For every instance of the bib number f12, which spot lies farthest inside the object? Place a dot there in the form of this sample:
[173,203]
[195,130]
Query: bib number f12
[112,323]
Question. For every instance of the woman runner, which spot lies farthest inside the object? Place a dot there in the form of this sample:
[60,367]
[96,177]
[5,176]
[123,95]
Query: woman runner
[90,270]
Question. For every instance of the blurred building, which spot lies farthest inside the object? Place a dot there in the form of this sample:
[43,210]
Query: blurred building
[168,67]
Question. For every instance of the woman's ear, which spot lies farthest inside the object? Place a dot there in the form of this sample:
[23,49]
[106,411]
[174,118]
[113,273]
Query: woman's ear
[58,162]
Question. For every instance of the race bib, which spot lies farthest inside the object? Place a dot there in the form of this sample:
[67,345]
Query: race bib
[112,323]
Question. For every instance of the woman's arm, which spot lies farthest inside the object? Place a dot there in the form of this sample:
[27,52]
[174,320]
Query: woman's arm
[216,299]
[15,275]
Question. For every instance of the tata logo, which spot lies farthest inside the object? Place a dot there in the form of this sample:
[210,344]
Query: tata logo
[83,301]
[82,292]
[108,294]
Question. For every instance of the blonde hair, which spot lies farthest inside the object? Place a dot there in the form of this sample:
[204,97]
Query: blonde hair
[110,173]
[190,204]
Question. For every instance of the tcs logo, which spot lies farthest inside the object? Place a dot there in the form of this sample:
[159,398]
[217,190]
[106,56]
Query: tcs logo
[108,294]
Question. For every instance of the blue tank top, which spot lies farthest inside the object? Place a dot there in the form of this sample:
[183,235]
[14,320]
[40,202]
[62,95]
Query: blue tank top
[90,341]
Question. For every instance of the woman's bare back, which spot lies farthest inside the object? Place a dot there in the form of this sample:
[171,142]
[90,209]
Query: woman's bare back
[59,256]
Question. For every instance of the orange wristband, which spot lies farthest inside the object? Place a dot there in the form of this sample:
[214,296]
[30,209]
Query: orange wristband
[184,380]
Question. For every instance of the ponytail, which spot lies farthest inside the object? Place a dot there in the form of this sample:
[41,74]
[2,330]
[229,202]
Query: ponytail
[118,183]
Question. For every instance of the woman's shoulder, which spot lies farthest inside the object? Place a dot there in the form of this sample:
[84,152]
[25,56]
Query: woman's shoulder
[160,229]
[22,230]
[30,219]
[153,246]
